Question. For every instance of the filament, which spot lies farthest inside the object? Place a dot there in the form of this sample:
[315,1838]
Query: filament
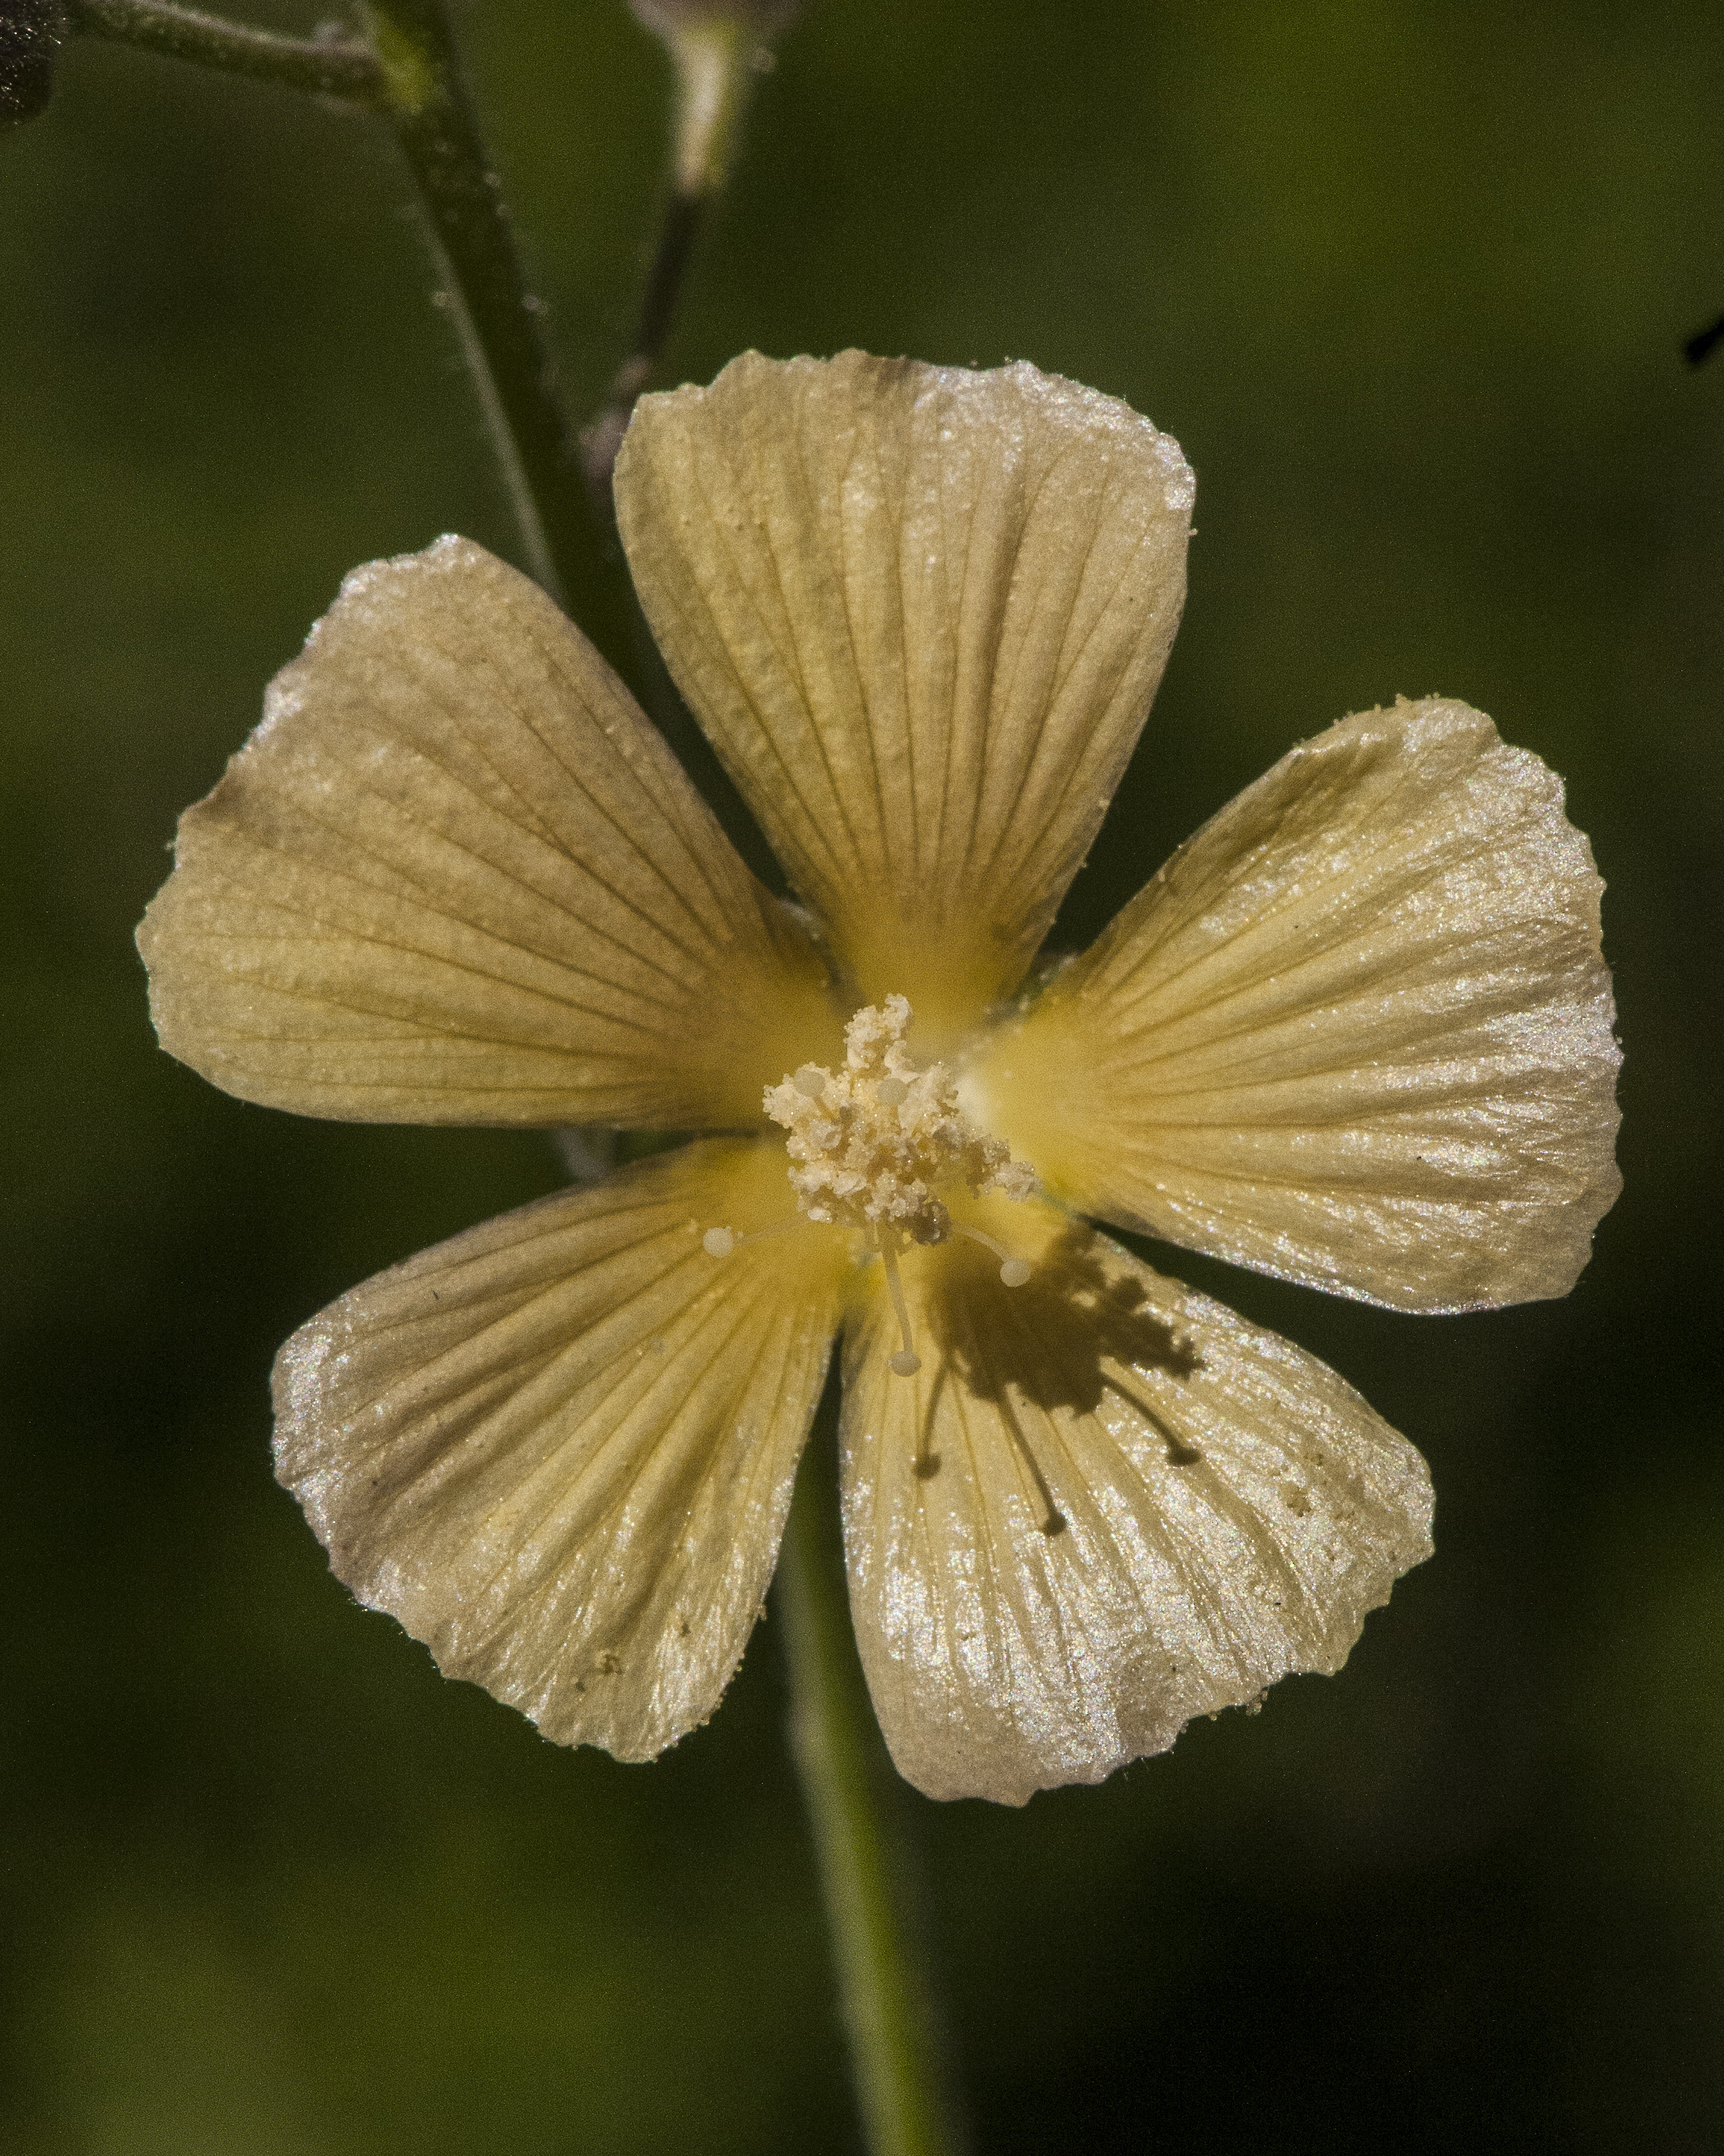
[1013,1271]
[906,1362]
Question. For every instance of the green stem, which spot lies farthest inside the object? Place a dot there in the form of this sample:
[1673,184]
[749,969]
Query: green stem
[497,320]
[883,1990]
[327,67]
[602,439]
[712,61]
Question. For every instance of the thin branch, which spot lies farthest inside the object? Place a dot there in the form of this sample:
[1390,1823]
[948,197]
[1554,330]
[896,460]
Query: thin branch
[714,62]
[499,320]
[336,66]
[885,1996]
[677,235]
[602,437]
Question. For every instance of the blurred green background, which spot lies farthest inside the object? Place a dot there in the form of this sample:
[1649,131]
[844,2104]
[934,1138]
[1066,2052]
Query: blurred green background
[1409,282]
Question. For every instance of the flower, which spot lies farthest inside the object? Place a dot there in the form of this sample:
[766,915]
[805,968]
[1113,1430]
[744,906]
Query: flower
[1356,1033]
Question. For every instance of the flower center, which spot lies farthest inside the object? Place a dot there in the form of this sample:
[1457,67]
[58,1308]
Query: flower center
[871,1145]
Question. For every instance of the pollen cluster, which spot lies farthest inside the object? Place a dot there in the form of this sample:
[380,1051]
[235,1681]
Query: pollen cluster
[870,1144]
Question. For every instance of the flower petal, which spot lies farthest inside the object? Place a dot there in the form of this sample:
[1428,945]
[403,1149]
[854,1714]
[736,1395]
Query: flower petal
[1356,1032]
[1103,1506]
[559,1448]
[455,876]
[921,612]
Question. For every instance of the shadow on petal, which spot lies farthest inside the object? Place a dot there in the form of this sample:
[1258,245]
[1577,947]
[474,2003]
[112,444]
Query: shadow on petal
[1102,1505]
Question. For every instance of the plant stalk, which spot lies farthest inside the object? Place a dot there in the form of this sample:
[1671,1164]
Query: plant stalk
[714,62]
[884,1994]
[341,67]
[497,320]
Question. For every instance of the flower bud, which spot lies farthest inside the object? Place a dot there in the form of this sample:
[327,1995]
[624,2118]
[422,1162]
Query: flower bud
[716,44]
[667,19]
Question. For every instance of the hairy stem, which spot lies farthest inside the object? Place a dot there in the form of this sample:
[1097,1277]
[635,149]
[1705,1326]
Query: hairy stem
[341,67]
[497,320]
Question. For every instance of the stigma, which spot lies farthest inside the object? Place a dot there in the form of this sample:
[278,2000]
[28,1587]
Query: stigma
[872,1145]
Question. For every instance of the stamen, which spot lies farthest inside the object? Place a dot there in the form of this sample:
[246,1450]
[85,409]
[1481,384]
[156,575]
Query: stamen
[1013,1271]
[871,1145]
[906,1362]
[1052,1520]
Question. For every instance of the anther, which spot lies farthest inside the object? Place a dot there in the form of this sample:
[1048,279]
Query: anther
[906,1362]
[1013,1271]
[870,1145]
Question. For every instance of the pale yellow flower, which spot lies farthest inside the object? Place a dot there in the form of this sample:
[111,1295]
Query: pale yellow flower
[1356,1033]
